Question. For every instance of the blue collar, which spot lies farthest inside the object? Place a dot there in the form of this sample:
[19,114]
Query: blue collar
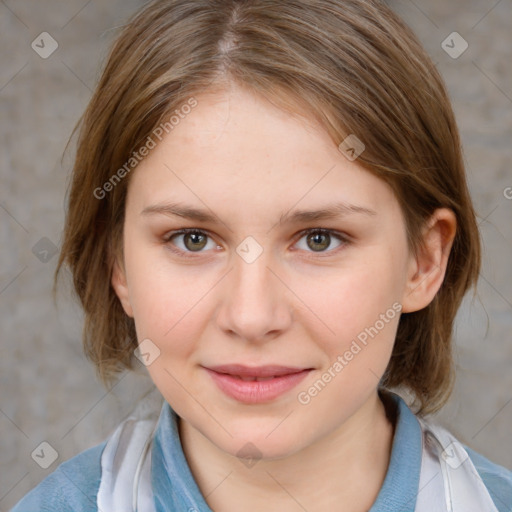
[400,488]
[175,488]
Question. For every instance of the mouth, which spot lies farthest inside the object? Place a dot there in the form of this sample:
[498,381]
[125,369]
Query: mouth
[252,379]
[260,384]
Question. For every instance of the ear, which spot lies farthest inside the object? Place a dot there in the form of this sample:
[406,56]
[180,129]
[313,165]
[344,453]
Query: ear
[120,286]
[427,268]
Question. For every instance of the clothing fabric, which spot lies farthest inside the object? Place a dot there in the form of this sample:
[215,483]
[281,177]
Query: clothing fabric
[80,484]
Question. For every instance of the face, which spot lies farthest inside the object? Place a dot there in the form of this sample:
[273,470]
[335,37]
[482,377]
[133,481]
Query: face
[250,286]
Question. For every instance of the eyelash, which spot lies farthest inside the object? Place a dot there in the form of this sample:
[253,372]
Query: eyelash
[343,238]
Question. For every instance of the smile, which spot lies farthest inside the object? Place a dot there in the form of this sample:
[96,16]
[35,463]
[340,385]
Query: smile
[256,385]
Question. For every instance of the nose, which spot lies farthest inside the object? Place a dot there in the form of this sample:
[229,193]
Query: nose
[255,301]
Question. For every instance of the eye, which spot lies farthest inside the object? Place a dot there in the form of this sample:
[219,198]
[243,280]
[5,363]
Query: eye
[319,239]
[194,240]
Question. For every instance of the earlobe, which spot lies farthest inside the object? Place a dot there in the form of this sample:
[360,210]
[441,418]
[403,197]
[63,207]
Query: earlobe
[121,288]
[428,267]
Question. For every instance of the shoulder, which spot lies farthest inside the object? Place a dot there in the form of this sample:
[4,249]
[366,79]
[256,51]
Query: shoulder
[497,479]
[72,486]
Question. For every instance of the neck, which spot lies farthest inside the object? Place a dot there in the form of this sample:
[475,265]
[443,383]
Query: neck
[344,470]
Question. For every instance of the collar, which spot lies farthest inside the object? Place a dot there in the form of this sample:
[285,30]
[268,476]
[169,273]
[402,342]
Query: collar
[400,488]
[176,489]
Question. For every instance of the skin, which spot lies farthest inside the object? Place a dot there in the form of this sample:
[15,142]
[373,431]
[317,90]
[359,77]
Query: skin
[298,304]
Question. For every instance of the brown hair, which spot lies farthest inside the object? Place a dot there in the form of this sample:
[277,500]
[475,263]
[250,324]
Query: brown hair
[352,65]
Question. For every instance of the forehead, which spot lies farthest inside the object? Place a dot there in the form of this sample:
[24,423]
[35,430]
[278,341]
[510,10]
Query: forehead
[238,153]
[236,120]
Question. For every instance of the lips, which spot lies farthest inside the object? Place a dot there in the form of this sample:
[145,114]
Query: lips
[255,372]
[252,385]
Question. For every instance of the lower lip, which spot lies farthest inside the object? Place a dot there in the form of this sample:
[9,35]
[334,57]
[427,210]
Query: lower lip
[254,392]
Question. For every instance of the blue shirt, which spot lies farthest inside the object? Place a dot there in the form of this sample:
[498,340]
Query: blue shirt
[74,484]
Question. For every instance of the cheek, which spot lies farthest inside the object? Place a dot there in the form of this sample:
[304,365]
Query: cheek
[346,301]
[166,299]
[360,316]
[170,309]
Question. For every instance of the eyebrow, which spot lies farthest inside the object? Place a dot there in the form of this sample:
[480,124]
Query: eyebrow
[333,211]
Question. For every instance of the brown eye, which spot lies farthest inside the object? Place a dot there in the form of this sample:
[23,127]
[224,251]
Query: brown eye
[320,240]
[194,241]
[188,240]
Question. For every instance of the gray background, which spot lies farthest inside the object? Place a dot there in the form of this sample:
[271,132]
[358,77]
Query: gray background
[48,390]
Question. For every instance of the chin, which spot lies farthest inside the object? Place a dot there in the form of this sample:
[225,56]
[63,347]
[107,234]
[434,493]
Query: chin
[254,445]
